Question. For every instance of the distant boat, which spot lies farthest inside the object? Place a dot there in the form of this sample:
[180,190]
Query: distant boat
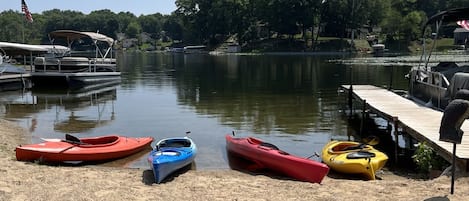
[12,76]
[86,63]
[378,49]
[195,49]
[436,85]
[175,50]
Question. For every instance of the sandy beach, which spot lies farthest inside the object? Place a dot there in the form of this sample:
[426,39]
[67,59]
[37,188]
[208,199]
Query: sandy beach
[30,181]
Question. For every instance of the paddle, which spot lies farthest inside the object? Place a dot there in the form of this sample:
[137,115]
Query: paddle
[315,154]
[68,138]
[72,140]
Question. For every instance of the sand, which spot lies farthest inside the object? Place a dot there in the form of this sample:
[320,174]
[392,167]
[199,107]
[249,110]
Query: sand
[31,181]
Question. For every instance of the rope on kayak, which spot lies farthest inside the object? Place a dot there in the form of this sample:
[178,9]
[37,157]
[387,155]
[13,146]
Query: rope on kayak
[315,154]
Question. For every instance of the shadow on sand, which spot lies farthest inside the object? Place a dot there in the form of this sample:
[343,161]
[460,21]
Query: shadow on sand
[439,198]
[148,178]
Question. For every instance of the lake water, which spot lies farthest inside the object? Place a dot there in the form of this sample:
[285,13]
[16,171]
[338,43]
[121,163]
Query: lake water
[288,100]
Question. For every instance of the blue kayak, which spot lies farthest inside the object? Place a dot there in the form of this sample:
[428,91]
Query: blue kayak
[170,155]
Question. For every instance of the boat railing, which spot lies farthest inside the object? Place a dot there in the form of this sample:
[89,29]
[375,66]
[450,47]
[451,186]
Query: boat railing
[77,64]
[2,54]
[59,63]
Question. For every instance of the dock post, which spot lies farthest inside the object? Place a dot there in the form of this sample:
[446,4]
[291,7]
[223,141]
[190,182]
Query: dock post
[453,168]
[350,102]
[396,135]
[362,122]
[390,79]
[350,93]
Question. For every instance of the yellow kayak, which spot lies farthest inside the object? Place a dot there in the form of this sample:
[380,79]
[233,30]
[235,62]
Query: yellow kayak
[353,158]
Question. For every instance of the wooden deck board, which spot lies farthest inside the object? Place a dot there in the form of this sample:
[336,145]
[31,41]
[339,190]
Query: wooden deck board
[424,121]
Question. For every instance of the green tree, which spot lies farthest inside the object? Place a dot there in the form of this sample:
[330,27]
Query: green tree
[377,11]
[391,25]
[124,19]
[151,24]
[102,21]
[194,16]
[404,21]
[12,23]
[54,20]
[133,29]
[409,28]
[173,28]
[211,21]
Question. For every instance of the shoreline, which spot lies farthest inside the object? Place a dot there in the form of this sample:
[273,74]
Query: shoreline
[31,181]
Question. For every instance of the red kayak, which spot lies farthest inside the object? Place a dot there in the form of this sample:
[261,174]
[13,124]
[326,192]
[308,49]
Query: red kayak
[268,156]
[83,149]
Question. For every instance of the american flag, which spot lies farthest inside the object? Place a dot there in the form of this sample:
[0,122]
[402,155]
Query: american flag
[27,14]
[464,24]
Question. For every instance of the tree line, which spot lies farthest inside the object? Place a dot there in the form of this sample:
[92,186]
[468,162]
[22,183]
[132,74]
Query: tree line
[210,22]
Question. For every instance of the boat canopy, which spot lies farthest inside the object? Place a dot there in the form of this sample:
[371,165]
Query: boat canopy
[26,49]
[446,16]
[72,35]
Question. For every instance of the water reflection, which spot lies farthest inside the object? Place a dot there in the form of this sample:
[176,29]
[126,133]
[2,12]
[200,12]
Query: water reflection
[66,106]
[71,102]
[262,94]
[16,104]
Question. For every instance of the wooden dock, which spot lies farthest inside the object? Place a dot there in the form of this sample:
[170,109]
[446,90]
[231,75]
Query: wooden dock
[421,122]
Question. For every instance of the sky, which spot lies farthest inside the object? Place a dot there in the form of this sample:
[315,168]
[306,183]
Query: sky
[137,7]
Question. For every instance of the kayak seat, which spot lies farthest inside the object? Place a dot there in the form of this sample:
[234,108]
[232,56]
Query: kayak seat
[360,154]
[175,143]
[72,139]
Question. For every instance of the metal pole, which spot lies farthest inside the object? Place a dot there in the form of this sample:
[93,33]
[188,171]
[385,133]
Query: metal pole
[453,168]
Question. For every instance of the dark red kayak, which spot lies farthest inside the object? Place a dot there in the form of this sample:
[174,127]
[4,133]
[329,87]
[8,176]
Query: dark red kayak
[266,155]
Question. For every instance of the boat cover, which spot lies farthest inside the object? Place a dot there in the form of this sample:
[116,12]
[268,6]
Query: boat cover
[451,15]
[73,35]
[26,49]
[459,81]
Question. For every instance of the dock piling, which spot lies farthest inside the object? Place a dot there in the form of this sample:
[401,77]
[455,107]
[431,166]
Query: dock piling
[395,121]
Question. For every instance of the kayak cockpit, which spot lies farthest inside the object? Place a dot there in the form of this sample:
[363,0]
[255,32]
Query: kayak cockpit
[347,147]
[101,141]
[175,143]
